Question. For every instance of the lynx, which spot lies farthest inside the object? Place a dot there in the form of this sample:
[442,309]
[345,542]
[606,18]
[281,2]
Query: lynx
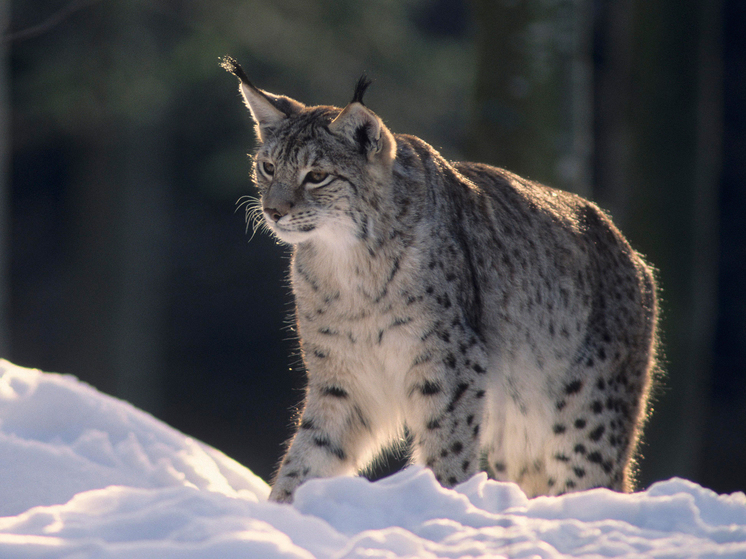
[502,325]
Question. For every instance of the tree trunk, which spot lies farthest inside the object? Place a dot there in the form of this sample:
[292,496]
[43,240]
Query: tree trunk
[533,94]
[117,307]
[658,168]
[4,182]
[613,50]
[143,231]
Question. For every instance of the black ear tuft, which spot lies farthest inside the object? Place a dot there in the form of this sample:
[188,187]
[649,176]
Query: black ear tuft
[360,87]
[229,63]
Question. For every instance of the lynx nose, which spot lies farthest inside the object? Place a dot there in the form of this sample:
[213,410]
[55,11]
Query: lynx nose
[278,211]
[273,214]
[277,202]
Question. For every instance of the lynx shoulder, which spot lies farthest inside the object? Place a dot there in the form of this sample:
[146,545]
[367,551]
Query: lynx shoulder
[508,326]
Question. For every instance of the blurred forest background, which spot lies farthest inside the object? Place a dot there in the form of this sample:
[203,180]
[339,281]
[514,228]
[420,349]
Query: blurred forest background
[123,152]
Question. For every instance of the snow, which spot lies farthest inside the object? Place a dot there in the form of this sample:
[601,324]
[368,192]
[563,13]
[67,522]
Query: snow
[84,475]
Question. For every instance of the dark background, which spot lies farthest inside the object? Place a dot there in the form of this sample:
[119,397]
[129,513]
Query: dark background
[123,152]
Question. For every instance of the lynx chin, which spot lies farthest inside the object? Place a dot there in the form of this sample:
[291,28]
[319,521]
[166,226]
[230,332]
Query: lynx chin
[504,325]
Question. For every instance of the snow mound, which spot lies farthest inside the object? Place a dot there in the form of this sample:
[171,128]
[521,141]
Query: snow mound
[85,475]
[59,436]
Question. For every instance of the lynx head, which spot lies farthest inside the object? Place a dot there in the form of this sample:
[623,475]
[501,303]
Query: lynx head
[320,170]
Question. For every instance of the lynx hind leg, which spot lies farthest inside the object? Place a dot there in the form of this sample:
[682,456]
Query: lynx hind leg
[602,403]
[597,412]
[600,414]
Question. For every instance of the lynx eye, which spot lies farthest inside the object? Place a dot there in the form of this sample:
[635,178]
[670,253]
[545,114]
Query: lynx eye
[267,168]
[316,178]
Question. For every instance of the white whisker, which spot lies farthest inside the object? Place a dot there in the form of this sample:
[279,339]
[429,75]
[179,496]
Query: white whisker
[253,213]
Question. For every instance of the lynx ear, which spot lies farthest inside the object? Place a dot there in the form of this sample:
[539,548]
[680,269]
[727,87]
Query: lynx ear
[267,109]
[363,128]
[366,131]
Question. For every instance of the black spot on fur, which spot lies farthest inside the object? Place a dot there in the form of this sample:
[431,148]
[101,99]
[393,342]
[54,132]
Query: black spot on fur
[429,388]
[558,429]
[580,423]
[450,361]
[452,481]
[395,267]
[401,321]
[361,418]
[597,433]
[579,472]
[465,465]
[338,452]
[422,358]
[579,449]
[334,391]
[457,447]
[597,407]
[595,457]
[444,301]
[433,424]
[307,278]
[573,387]
[326,444]
[458,393]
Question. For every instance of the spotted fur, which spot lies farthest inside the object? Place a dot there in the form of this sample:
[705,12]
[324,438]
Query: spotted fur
[509,326]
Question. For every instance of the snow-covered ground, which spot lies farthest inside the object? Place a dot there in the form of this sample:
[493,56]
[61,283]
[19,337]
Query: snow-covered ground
[85,475]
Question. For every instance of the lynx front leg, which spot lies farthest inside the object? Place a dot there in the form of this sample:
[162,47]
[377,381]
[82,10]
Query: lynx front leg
[446,420]
[331,437]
